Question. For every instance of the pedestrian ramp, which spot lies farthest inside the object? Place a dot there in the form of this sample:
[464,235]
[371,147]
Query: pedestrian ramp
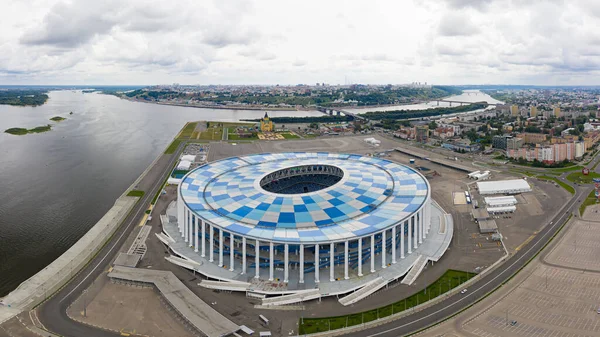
[167,240]
[415,271]
[189,264]
[225,286]
[363,292]
[296,297]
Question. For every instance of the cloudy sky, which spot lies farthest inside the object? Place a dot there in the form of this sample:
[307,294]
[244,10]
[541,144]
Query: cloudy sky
[287,42]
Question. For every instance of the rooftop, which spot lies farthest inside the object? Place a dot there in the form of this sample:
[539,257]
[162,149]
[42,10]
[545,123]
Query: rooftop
[373,194]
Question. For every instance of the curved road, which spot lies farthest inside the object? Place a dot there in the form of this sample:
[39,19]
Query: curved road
[53,313]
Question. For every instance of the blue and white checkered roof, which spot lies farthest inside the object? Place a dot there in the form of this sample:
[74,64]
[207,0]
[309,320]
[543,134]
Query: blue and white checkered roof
[372,195]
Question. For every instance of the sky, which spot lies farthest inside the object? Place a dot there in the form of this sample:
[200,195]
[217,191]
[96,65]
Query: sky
[146,42]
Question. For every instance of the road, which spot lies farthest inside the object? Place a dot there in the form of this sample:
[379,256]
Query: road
[454,304]
[52,314]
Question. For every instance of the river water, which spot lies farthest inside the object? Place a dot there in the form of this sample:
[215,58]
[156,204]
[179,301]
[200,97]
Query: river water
[466,96]
[54,186]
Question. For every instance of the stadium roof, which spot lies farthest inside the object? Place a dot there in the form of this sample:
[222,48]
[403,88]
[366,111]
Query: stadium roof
[372,195]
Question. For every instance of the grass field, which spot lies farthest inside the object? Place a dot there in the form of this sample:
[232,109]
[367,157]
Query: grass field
[578,177]
[135,193]
[448,281]
[288,135]
[590,200]
[567,169]
[188,130]
[173,147]
[234,136]
[564,185]
[212,133]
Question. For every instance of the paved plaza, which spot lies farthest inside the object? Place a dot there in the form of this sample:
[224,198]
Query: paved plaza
[558,294]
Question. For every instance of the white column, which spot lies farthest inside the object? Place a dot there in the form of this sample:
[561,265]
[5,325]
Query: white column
[220,247]
[195,234]
[301,263]
[231,249]
[243,255]
[185,226]
[373,253]
[331,264]
[409,238]
[257,259]
[286,262]
[346,260]
[191,229]
[180,212]
[317,263]
[394,244]
[402,240]
[383,264]
[427,217]
[416,232]
[420,226]
[271,256]
[211,244]
[360,257]
[203,239]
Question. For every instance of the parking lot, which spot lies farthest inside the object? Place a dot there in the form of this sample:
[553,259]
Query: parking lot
[559,295]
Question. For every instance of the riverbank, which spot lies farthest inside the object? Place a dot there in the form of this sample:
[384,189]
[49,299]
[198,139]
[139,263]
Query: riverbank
[219,107]
[59,273]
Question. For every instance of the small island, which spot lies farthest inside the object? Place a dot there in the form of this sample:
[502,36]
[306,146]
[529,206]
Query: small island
[23,131]
[57,119]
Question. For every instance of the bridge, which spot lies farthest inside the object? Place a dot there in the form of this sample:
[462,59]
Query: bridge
[339,112]
[461,102]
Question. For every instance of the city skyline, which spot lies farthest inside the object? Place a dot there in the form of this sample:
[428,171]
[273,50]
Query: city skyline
[268,42]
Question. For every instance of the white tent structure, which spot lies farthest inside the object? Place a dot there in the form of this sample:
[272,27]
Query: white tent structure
[500,201]
[173,181]
[372,141]
[504,209]
[184,165]
[188,157]
[503,187]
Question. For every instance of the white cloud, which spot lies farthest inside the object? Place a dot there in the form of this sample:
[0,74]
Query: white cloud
[268,41]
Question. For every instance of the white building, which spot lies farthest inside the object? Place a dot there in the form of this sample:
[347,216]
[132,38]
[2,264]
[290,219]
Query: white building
[500,201]
[503,186]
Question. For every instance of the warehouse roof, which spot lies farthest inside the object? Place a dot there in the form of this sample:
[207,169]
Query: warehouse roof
[503,186]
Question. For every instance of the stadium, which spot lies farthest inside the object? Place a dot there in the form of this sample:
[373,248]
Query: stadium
[305,225]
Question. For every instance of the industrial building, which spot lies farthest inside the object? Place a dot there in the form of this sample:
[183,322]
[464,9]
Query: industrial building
[500,201]
[514,186]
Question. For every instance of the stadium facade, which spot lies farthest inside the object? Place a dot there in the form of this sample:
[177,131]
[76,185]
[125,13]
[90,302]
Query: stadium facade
[304,219]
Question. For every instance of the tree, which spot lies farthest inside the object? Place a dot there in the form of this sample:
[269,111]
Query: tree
[433,125]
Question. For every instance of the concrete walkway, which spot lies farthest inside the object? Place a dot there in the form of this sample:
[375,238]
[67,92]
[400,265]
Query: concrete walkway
[197,312]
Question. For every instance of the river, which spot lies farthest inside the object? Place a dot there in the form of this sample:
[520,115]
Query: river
[56,185]
[466,96]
